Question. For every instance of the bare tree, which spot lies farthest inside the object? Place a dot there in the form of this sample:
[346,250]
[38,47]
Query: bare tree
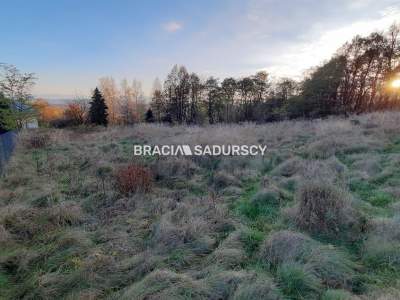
[127,103]
[138,97]
[16,86]
[157,100]
[111,95]
[77,112]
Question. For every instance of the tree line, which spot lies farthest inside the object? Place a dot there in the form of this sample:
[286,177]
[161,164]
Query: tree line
[358,78]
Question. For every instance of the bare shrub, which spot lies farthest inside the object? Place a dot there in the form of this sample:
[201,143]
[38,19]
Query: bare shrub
[133,178]
[325,209]
[37,140]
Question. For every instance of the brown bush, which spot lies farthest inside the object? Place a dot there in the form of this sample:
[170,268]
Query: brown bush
[37,141]
[134,178]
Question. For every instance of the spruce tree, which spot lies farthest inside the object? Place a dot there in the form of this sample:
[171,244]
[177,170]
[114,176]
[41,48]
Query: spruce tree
[98,109]
[149,117]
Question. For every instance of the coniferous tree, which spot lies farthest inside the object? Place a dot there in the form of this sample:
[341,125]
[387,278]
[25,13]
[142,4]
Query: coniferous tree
[98,109]
[149,117]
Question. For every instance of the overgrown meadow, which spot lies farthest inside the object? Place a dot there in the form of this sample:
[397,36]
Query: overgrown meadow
[317,217]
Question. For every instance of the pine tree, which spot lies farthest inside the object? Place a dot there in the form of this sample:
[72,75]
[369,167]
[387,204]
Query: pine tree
[98,109]
[149,116]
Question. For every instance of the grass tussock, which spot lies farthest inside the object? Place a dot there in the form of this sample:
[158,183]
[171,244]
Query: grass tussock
[327,210]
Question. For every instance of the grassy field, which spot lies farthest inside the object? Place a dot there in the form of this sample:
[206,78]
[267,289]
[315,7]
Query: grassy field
[318,217]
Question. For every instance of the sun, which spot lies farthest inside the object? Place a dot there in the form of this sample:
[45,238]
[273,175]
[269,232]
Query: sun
[396,84]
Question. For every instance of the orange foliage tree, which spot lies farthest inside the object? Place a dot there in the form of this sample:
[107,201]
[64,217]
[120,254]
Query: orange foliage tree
[46,111]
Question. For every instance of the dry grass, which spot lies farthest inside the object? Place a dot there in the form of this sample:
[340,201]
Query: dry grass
[82,218]
[326,210]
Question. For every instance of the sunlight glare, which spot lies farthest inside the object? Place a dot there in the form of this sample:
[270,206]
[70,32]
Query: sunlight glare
[396,83]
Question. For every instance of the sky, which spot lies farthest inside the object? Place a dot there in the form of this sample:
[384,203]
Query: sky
[70,44]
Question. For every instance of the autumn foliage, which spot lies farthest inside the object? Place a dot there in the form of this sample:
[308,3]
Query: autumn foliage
[133,178]
[48,113]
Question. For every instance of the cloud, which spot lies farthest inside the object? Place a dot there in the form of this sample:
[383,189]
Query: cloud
[172,26]
[299,56]
[285,38]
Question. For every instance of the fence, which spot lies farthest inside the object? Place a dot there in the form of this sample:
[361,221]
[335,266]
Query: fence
[7,143]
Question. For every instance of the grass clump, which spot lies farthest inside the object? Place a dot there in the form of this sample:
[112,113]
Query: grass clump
[296,282]
[165,284]
[26,223]
[264,204]
[285,245]
[381,249]
[331,266]
[260,288]
[224,284]
[326,210]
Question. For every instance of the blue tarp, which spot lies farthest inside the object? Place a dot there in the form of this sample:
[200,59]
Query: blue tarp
[7,144]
